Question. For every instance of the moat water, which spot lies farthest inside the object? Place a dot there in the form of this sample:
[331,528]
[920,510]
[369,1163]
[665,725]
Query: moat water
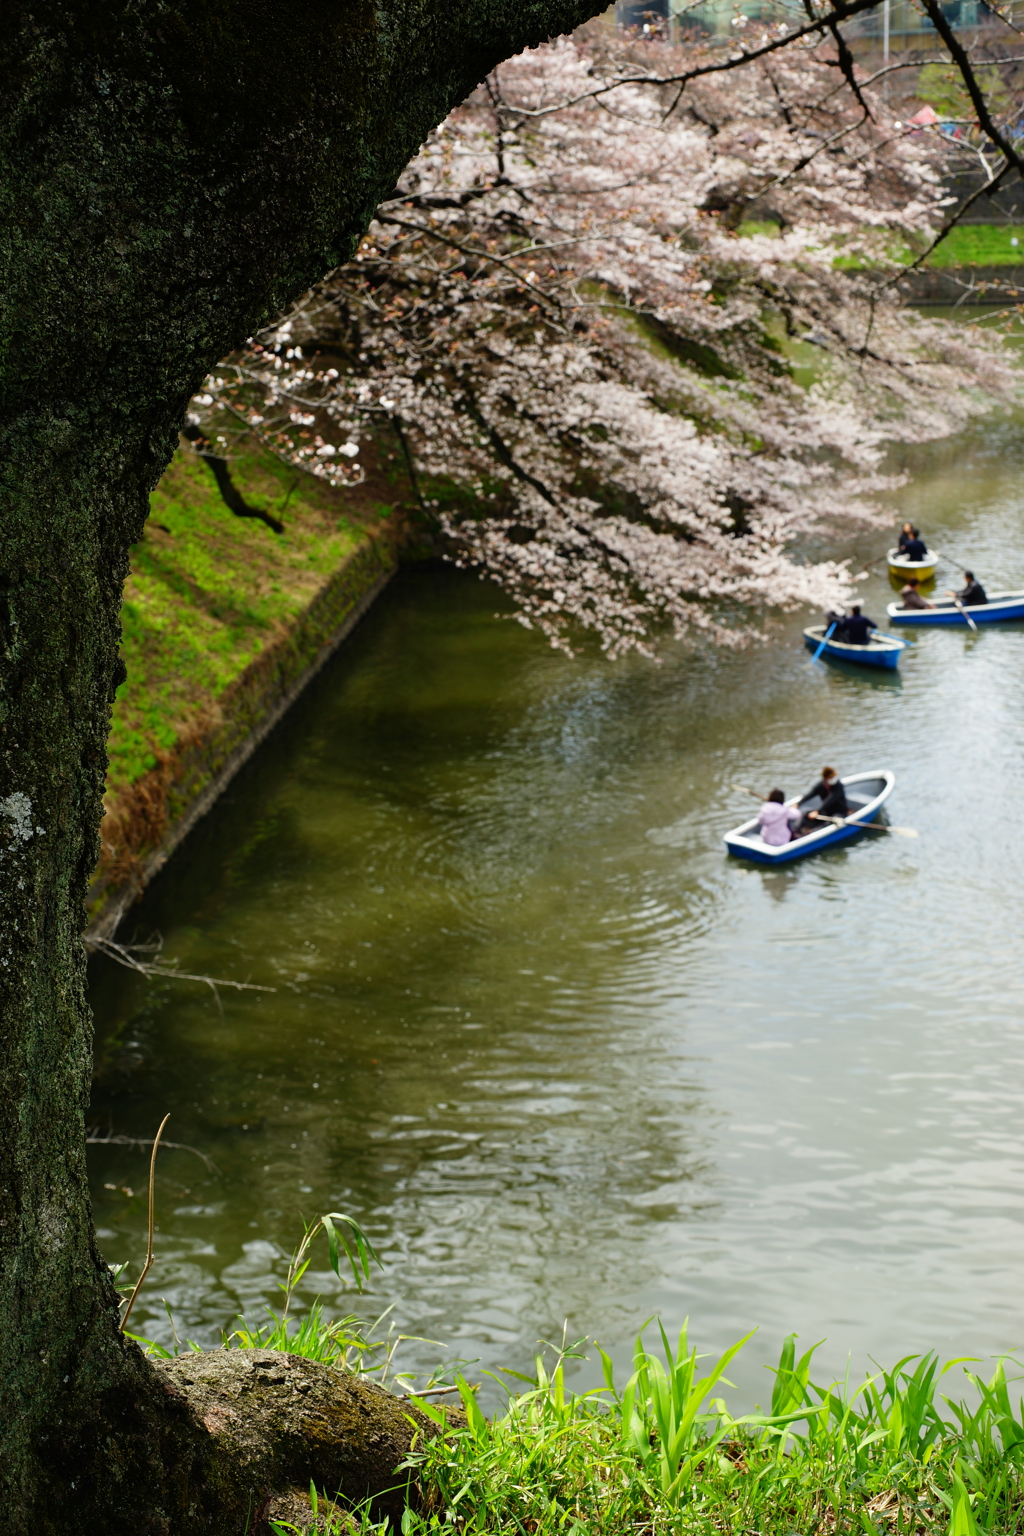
[564,1059]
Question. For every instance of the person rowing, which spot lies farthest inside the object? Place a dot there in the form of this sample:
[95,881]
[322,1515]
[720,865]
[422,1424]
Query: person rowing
[777,820]
[971,594]
[829,790]
[856,628]
[911,595]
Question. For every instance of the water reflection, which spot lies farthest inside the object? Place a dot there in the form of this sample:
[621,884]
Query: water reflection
[560,1055]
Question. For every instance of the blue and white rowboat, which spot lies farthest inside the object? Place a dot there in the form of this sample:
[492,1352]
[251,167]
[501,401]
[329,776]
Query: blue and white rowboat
[1001,605]
[882,651]
[866,793]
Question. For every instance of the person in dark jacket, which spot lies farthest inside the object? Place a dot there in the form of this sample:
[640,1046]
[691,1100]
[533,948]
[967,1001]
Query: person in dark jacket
[907,533]
[972,594]
[857,628]
[829,790]
[914,549]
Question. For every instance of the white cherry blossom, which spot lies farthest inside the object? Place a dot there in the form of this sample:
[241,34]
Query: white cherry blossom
[604,337]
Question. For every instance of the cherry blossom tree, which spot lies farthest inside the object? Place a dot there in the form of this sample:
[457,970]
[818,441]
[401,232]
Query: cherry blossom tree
[600,323]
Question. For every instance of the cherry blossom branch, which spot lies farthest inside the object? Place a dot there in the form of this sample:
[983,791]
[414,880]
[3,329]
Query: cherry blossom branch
[579,351]
[842,11]
[962,61]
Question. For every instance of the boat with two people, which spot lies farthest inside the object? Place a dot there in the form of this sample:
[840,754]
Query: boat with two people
[880,650]
[971,605]
[866,793]
[853,637]
[911,556]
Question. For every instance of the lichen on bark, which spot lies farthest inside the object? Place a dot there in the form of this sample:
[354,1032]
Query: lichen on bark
[172,172]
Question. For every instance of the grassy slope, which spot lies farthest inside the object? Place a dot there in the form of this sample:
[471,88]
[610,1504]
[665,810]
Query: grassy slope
[208,591]
[967,245]
[980,245]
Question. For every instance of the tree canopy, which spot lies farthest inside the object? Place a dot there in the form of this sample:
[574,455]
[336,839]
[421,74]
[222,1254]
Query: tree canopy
[635,346]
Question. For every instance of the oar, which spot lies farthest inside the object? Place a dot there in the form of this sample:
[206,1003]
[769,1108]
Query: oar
[745,791]
[881,634]
[966,615]
[824,642]
[872,562]
[956,600]
[868,826]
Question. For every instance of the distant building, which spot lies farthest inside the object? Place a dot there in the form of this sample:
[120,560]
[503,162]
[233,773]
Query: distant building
[720,18]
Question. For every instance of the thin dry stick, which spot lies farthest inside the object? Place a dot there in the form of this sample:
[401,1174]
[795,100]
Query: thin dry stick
[94,1139]
[149,1246]
[160,969]
[474,1386]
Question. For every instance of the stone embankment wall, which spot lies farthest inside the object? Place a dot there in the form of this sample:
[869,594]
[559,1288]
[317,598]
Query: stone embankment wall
[224,624]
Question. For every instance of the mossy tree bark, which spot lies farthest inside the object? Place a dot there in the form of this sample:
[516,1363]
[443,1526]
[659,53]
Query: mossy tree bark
[173,172]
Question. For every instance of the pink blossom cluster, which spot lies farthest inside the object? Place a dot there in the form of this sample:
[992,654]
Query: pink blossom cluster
[600,327]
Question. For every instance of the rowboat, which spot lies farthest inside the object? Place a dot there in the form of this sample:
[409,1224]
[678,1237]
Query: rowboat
[924,570]
[866,793]
[881,651]
[1001,605]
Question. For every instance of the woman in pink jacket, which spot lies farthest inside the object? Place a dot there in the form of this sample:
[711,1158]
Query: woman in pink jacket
[777,820]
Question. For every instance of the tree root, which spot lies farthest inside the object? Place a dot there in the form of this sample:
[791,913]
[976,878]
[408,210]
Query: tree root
[220,1443]
[279,1422]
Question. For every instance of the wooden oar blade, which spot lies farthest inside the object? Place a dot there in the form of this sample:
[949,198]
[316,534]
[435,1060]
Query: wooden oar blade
[970,622]
[743,790]
[875,826]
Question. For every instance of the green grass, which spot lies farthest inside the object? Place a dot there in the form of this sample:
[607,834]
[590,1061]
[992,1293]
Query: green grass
[966,245]
[901,1453]
[942,87]
[980,245]
[208,591]
[895,1455]
[750,227]
[665,1454]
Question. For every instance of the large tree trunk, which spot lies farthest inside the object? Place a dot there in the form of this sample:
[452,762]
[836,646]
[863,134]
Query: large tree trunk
[173,171]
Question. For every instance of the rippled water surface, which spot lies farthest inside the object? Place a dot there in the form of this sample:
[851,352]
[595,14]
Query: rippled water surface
[562,1057]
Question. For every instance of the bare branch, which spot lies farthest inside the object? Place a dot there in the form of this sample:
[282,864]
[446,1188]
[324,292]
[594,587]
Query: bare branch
[125,954]
[960,57]
[93,1139]
[951,223]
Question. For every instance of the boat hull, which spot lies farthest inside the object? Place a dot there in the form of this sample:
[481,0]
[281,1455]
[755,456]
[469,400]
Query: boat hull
[924,570]
[884,652]
[1000,607]
[866,793]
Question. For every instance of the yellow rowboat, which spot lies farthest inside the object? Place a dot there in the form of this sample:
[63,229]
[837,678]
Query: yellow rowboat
[924,570]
